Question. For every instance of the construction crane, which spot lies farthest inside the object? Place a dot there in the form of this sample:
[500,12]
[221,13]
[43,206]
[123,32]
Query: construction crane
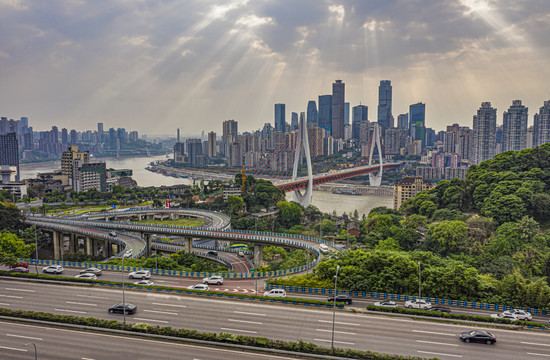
[243,172]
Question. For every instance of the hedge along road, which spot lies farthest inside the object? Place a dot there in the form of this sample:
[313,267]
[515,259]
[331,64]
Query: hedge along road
[244,317]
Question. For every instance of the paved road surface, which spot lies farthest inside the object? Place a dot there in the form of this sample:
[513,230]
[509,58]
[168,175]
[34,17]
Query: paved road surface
[352,330]
[51,343]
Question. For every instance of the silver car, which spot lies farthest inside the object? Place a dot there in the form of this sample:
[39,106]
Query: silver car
[53,269]
[141,274]
[216,280]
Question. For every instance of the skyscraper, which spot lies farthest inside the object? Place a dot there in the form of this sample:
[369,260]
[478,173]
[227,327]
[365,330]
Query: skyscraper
[485,123]
[514,127]
[325,112]
[294,120]
[360,113]
[229,135]
[280,122]
[541,127]
[384,105]
[312,114]
[338,97]
[417,113]
[9,151]
[346,113]
[403,121]
[211,144]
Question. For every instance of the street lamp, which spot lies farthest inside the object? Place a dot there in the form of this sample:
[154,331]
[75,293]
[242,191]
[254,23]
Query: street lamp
[334,310]
[419,281]
[123,293]
[35,352]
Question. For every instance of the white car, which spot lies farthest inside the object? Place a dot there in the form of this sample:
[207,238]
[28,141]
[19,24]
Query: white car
[87,276]
[203,287]
[144,283]
[141,274]
[505,315]
[275,293]
[128,254]
[216,280]
[520,314]
[53,269]
[323,248]
[418,304]
[385,303]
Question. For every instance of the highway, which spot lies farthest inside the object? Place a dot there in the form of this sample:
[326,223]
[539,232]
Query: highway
[373,332]
[249,286]
[51,343]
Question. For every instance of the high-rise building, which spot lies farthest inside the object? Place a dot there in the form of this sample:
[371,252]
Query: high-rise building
[9,152]
[325,112]
[280,122]
[338,112]
[385,106]
[485,123]
[417,113]
[73,139]
[68,157]
[346,113]
[465,143]
[229,135]
[294,120]
[403,121]
[396,139]
[312,114]
[541,127]
[360,113]
[194,149]
[64,137]
[530,133]
[211,144]
[514,127]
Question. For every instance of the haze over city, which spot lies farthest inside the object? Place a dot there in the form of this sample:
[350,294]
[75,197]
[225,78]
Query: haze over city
[155,67]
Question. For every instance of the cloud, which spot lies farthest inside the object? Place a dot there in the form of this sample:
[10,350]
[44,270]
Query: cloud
[155,66]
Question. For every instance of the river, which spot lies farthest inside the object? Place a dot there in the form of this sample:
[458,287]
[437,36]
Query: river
[325,201]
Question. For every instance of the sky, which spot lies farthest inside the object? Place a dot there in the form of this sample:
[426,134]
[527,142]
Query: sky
[155,66]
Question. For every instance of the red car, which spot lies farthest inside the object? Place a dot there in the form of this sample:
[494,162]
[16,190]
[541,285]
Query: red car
[25,265]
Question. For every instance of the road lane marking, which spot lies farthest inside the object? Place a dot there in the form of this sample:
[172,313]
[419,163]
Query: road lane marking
[24,337]
[337,332]
[536,354]
[12,296]
[338,322]
[530,343]
[160,304]
[439,354]
[4,304]
[25,290]
[435,343]
[161,312]
[160,321]
[73,311]
[10,348]
[433,332]
[78,303]
[87,359]
[245,321]
[336,342]
[246,331]
[248,313]
[91,296]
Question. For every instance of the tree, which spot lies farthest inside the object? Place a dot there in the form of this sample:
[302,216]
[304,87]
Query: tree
[290,213]
[446,237]
[504,208]
[235,203]
[11,218]
[12,248]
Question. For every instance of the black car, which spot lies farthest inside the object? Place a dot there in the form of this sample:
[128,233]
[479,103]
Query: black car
[117,308]
[341,298]
[213,253]
[480,336]
[440,308]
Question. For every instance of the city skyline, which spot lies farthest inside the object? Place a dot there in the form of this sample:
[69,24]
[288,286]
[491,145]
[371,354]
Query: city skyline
[157,68]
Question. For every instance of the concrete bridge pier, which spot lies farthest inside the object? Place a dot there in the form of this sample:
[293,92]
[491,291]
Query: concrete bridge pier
[88,243]
[188,245]
[56,235]
[147,237]
[258,255]
[72,240]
